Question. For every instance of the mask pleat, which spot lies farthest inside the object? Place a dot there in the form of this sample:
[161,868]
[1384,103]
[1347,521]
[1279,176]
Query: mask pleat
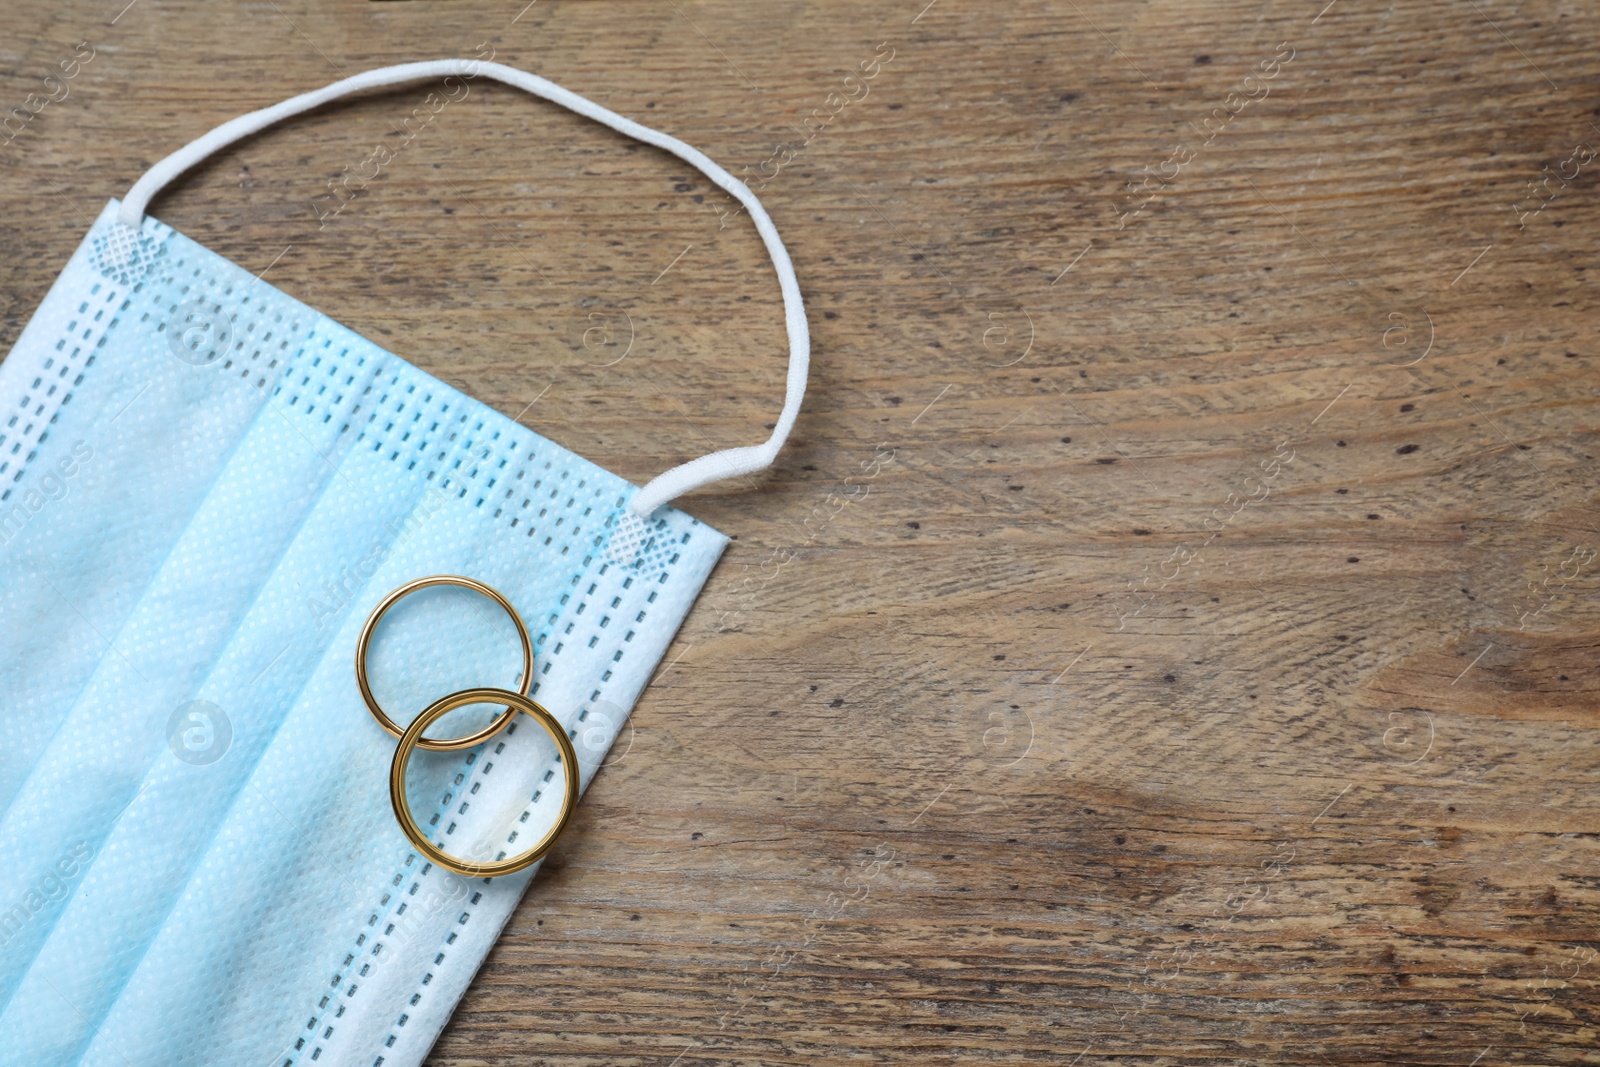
[125,459]
[169,783]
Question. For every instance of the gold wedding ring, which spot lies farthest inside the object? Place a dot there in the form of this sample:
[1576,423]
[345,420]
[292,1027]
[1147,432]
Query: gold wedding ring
[412,739]
[447,744]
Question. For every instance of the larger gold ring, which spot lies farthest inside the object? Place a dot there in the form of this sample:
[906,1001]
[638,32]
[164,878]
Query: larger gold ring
[371,626]
[413,737]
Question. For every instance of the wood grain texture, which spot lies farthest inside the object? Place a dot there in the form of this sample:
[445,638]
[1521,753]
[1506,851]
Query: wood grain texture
[1170,636]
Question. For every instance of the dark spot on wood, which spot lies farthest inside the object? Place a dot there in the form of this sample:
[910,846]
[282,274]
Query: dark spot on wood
[1203,61]
[697,835]
[1434,898]
[1000,657]
[1139,532]
[838,702]
[1341,492]
[1169,678]
[1408,407]
[1119,839]
[1107,460]
[830,315]
[1406,450]
[1371,516]
[1066,440]
[1352,559]
[915,525]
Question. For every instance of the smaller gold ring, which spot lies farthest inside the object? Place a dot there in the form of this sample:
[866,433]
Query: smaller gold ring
[413,737]
[362,645]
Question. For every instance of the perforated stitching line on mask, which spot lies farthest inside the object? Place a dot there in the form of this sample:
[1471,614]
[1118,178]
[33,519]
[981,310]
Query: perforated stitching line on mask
[245,353]
[63,365]
[627,540]
[114,259]
[98,324]
[462,786]
[245,347]
[461,781]
[435,427]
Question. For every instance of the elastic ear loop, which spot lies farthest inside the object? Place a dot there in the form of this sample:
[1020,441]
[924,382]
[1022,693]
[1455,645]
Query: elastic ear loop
[716,467]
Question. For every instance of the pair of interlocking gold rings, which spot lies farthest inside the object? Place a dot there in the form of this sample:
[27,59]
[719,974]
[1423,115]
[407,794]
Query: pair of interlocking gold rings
[411,737]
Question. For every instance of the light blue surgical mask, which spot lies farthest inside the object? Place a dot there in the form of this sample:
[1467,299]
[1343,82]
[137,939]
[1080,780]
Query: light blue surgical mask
[205,487]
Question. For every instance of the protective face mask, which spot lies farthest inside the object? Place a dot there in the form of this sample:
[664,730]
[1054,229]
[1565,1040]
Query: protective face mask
[205,487]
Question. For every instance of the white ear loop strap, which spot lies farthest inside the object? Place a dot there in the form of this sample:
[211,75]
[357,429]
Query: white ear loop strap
[728,463]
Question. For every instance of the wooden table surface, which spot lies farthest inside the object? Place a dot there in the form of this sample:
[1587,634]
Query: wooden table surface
[1170,635]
